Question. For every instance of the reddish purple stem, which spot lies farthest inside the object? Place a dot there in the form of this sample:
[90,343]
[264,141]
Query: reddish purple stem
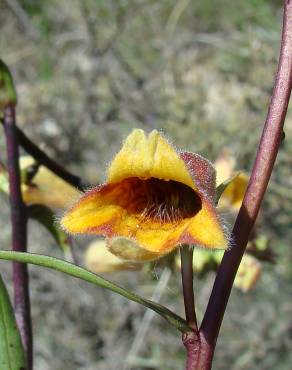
[19,235]
[200,353]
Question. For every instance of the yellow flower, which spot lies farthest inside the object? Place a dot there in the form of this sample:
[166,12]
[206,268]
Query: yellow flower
[154,197]
[248,273]
[233,194]
[99,260]
[46,188]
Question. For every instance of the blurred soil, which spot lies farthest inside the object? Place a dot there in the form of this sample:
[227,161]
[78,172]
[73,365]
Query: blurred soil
[87,72]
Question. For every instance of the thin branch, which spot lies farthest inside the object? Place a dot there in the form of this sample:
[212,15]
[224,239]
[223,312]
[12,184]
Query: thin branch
[264,162]
[91,25]
[23,18]
[45,160]
[187,282]
[41,157]
[19,235]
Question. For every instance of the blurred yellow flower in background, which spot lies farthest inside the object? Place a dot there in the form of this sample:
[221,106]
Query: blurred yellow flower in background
[98,259]
[46,188]
[248,273]
[39,185]
[233,194]
[155,197]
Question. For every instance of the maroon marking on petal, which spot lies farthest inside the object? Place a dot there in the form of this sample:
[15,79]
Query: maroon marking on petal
[187,238]
[90,193]
[202,172]
[106,229]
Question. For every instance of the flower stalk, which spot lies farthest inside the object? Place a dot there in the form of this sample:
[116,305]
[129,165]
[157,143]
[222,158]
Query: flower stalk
[188,289]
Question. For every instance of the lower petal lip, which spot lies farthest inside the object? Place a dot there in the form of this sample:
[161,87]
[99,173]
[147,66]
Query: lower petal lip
[158,214]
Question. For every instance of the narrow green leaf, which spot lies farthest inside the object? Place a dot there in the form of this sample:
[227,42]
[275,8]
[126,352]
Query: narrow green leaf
[220,188]
[11,351]
[81,273]
[46,217]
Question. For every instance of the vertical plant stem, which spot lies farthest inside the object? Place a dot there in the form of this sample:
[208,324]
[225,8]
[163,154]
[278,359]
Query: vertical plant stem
[263,165]
[191,339]
[19,234]
[187,283]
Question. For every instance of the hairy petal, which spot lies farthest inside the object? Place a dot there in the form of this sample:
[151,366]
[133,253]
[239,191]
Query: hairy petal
[149,156]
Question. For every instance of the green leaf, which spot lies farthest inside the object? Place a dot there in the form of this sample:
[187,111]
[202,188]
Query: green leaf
[12,355]
[220,188]
[46,217]
[81,273]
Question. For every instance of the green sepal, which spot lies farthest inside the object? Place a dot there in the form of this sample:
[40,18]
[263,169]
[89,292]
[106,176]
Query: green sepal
[7,90]
[220,188]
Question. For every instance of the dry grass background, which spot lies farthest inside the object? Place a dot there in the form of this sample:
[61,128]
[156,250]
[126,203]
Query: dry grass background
[87,72]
